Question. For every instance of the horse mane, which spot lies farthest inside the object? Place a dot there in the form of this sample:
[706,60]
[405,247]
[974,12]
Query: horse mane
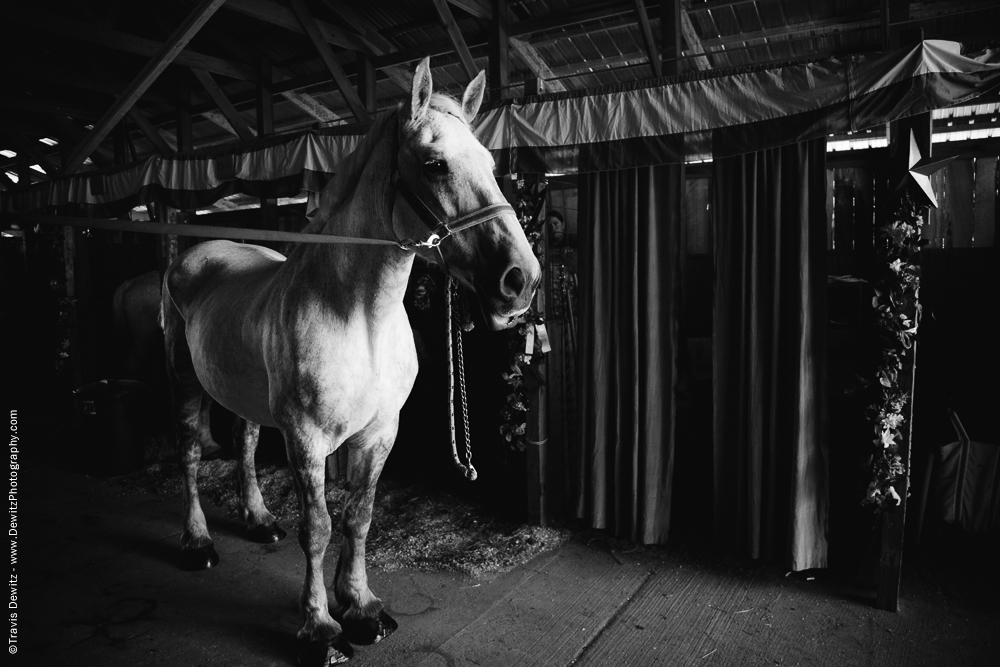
[350,169]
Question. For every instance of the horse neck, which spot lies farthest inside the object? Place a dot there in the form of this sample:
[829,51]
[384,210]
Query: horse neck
[352,276]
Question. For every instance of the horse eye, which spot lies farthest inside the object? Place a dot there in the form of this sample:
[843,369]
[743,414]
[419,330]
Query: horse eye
[436,167]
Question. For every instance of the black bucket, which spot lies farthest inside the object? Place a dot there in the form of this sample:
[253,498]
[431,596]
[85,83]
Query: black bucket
[112,419]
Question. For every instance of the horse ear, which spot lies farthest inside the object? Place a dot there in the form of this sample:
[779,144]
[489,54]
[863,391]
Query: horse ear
[473,96]
[420,95]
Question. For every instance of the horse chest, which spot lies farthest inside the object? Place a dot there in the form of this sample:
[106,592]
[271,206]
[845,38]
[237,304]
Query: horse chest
[355,380]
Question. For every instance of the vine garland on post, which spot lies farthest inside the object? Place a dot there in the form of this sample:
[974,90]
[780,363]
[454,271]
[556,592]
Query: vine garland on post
[514,413]
[897,307]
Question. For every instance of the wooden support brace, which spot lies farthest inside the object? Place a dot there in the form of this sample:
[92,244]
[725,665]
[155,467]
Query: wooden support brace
[455,36]
[173,46]
[150,131]
[225,106]
[308,24]
[647,37]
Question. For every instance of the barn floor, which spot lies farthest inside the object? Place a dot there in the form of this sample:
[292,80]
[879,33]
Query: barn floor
[98,586]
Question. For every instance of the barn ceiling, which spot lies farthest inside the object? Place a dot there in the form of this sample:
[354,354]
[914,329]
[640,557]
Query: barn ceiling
[71,66]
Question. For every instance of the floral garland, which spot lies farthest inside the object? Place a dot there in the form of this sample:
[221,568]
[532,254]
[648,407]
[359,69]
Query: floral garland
[514,413]
[897,305]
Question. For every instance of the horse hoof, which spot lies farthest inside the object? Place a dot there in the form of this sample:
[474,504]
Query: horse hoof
[368,630]
[266,534]
[323,653]
[201,558]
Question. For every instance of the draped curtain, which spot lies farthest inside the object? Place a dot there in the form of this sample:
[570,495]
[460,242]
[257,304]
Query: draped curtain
[770,457]
[630,261]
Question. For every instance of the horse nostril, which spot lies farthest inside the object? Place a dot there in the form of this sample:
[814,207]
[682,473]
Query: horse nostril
[513,282]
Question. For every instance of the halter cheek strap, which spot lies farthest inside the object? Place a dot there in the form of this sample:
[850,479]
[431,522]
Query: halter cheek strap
[440,230]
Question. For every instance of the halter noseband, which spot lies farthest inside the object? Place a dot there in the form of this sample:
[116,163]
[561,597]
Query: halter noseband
[440,230]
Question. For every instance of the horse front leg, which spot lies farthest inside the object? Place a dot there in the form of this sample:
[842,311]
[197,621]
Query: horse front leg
[360,613]
[261,526]
[320,641]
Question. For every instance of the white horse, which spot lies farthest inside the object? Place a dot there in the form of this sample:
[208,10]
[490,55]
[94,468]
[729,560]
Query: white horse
[319,345]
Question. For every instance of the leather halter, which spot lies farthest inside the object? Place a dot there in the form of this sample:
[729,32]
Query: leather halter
[439,229]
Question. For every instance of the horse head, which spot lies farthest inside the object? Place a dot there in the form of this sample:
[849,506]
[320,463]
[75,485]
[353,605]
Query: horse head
[445,176]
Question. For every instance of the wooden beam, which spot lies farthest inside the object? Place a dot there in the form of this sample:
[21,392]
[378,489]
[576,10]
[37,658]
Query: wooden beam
[456,38]
[709,5]
[670,35]
[818,28]
[482,9]
[69,129]
[275,14]
[265,100]
[225,106]
[28,147]
[197,18]
[24,103]
[308,24]
[380,44]
[185,138]
[535,62]
[366,82]
[647,38]
[150,131]
[113,39]
[499,62]
[694,42]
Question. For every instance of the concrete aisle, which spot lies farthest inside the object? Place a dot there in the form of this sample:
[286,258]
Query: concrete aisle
[99,586]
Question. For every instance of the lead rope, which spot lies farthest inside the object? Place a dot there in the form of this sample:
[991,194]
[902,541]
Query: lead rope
[467,469]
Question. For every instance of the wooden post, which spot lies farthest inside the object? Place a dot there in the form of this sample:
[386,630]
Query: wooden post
[891,560]
[184,139]
[265,127]
[670,36]
[69,266]
[499,63]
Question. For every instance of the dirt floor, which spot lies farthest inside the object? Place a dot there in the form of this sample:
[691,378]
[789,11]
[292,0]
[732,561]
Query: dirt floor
[99,585]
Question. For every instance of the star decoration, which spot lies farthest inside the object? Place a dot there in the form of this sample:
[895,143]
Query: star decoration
[918,172]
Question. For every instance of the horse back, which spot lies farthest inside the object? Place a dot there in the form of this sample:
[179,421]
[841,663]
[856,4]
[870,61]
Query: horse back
[218,266]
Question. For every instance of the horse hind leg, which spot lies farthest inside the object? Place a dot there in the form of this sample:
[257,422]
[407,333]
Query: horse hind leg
[197,550]
[359,612]
[261,525]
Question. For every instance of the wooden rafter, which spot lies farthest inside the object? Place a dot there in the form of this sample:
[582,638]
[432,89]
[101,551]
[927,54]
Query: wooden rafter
[478,8]
[380,44]
[178,40]
[694,42]
[150,131]
[537,64]
[28,147]
[225,106]
[817,28]
[275,14]
[350,95]
[646,30]
[456,38]
[113,39]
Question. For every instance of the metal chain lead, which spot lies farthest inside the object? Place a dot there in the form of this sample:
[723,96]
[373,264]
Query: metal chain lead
[468,470]
[471,473]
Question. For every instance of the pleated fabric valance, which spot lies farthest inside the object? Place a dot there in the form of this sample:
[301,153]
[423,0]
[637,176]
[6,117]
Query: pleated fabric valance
[641,124]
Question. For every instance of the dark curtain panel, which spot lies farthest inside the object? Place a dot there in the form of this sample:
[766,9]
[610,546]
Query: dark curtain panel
[770,456]
[630,263]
